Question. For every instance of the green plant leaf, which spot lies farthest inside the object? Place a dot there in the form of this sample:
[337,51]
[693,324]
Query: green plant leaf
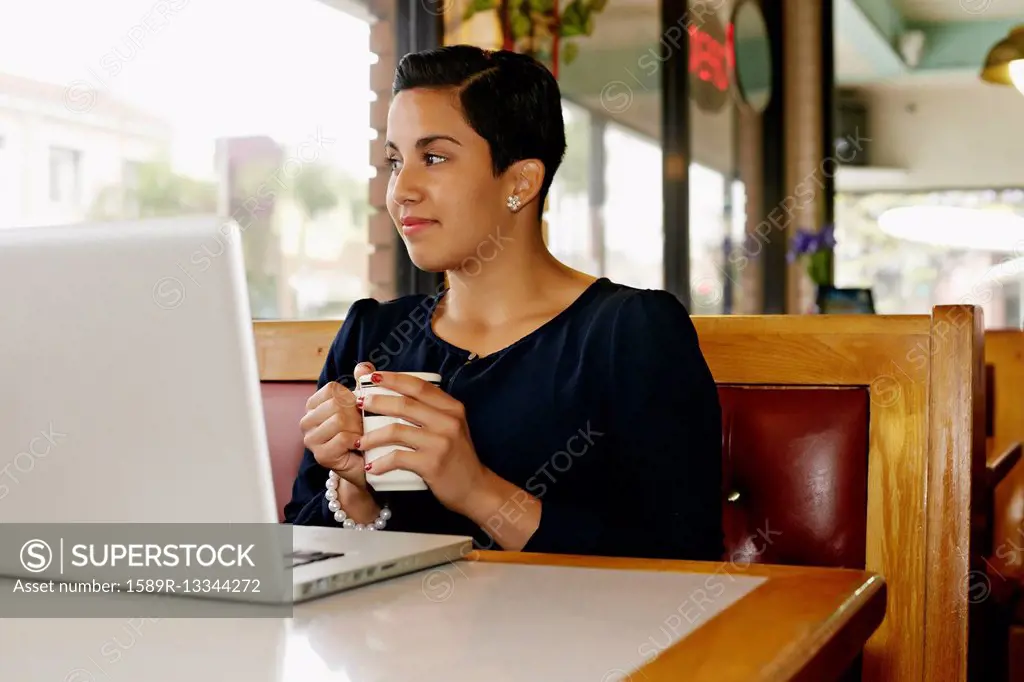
[520,25]
[569,52]
[475,6]
[572,21]
[572,13]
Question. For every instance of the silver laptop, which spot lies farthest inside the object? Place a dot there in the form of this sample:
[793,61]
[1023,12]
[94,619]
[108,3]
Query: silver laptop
[129,392]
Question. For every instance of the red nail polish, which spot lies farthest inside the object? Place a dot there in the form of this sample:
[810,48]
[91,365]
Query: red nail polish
[376,378]
[355,446]
[368,467]
[359,402]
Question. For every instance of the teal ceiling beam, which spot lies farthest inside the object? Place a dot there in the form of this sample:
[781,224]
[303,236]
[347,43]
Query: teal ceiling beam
[962,44]
[873,36]
[885,18]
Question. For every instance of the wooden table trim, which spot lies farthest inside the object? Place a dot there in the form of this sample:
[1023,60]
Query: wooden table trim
[850,608]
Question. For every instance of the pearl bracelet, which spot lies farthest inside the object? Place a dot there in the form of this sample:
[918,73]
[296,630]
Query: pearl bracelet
[339,514]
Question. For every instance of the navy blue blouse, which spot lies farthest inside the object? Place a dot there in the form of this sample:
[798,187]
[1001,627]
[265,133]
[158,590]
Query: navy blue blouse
[607,413]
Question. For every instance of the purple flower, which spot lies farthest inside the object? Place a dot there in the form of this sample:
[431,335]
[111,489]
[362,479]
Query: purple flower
[806,242]
[828,236]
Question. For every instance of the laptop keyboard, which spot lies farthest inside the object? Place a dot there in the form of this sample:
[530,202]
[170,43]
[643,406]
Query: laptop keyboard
[302,557]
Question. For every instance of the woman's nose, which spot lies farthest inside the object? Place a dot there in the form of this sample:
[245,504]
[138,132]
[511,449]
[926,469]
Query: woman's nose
[406,186]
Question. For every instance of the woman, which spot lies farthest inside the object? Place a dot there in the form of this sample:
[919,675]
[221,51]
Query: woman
[576,415]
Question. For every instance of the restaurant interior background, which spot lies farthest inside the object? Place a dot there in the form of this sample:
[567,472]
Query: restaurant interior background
[271,112]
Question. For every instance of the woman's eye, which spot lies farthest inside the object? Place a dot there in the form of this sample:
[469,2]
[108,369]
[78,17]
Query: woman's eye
[392,163]
[434,159]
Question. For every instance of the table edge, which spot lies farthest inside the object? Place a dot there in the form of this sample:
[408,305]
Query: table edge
[642,564]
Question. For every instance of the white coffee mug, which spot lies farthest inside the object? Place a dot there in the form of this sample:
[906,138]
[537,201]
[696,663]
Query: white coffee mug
[397,479]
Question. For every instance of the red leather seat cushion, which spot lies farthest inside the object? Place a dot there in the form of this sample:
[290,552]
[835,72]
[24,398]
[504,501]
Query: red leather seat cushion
[798,460]
[284,404]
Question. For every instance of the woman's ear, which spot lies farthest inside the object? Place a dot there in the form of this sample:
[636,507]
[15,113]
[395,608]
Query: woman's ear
[527,177]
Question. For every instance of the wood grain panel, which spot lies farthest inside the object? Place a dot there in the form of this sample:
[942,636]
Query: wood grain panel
[1004,350]
[890,355]
[293,350]
[780,349]
[896,542]
[816,350]
[957,478]
[1004,353]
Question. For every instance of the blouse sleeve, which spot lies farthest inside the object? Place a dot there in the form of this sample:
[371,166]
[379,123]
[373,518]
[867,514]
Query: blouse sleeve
[666,455]
[308,505]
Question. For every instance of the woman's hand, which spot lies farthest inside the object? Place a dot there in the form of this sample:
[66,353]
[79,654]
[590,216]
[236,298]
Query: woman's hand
[442,450]
[332,428]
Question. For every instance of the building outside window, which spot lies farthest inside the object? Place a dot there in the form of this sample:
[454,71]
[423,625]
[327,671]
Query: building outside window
[65,183]
[126,110]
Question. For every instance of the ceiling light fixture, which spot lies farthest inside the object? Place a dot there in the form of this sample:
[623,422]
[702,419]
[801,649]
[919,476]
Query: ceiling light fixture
[973,229]
[1004,64]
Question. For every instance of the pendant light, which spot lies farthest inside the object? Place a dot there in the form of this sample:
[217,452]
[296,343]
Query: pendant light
[1004,64]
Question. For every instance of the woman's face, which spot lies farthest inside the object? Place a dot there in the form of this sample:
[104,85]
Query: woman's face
[442,193]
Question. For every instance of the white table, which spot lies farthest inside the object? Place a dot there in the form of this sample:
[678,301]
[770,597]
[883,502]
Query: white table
[473,620]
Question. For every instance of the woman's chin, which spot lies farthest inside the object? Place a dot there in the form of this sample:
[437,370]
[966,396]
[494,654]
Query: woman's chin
[427,261]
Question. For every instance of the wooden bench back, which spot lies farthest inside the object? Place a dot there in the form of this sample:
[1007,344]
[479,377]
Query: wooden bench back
[924,376]
[1004,354]
[925,451]
[1004,364]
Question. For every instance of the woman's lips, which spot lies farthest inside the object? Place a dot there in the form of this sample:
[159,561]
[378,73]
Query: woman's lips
[411,226]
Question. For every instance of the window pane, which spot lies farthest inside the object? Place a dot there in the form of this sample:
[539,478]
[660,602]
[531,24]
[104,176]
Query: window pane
[604,212]
[10,180]
[64,176]
[947,255]
[577,236]
[712,144]
[708,232]
[634,238]
[261,111]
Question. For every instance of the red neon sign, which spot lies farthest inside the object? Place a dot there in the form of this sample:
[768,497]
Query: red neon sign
[710,59]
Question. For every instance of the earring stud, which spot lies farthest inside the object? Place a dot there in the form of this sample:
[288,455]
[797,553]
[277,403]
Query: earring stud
[513,203]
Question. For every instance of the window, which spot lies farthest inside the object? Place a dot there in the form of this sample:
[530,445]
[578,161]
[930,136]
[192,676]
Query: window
[64,175]
[604,210]
[9,185]
[715,227]
[131,174]
[128,110]
[573,219]
[913,258]
[130,188]
[635,239]
[604,213]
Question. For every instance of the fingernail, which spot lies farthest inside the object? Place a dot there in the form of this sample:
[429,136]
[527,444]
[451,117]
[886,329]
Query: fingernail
[355,446]
[359,402]
[368,467]
[376,378]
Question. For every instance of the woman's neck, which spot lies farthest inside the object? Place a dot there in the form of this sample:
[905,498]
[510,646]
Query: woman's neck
[507,281]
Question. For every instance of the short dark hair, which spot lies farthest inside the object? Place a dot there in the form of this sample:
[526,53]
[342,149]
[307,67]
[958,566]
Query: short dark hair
[510,99]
